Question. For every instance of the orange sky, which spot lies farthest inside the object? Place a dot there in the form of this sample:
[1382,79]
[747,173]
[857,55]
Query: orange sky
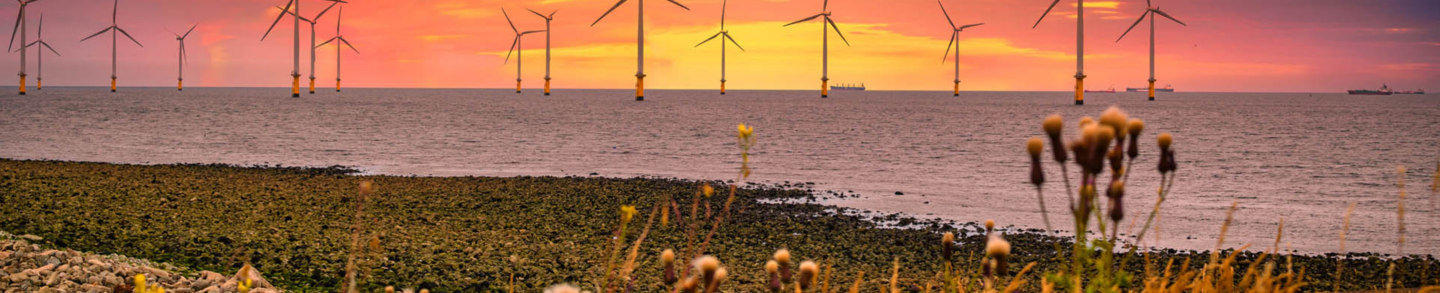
[1229,45]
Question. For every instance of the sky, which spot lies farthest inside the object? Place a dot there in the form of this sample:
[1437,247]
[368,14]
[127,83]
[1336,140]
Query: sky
[1228,45]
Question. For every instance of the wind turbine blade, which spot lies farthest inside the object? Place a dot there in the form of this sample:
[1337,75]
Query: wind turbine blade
[825,6]
[507,20]
[184,59]
[607,12]
[16,29]
[1047,12]
[1132,26]
[532,32]
[327,42]
[115,13]
[25,46]
[946,13]
[187,33]
[537,13]
[953,35]
[732,41]
[552,14]
[804,20]
[678,4]
[338,17]
[47,46]
[347,44]
[327,9]
[708,40]
[277,20]
[41,30]
[96,34]
[972,25]
[127,35]
[1162,13]
[512,49]
[722,13]
[302,18]
[1147,4]
[837,31]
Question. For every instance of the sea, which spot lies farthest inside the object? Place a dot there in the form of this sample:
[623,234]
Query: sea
[1298,157]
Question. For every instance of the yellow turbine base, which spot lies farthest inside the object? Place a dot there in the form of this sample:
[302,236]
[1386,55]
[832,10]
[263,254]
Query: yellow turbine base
[295,87]
[517,86]
[722,88]
[22,84]
[179,85]
[639,88]
[112,84]
[824,89]
[1079,90]
[39,84]
[547,86]
[337,85]
[1152,90]
[957,88]
[312,85]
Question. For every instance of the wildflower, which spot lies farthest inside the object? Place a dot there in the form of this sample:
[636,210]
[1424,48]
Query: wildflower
[391,289]
[708,266]
[745,131]
[140,282]
[707,190]
[689,285]
[997,250]
[1037,176]
[989,226]
[808,271]
[1052,126]
[667,260]
[1136,126]
[773,269]
[557,288]
[783,257]
[1086,121]
[1167,156]
[1117,195]
[1116,120]
[947,245]
[627,213]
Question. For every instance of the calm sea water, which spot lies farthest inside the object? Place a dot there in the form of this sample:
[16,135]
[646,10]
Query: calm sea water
[1300,157]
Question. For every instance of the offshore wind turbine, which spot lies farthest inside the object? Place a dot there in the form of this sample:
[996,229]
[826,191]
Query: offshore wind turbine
[825,45]
[180,81]
[312,37]
[516,45]
[39,57]
[20,25]
[547,46]
[1150,11]
[1079,47]
[295,73]
[114,27]
[341,39]
[639,43]
[955,41]
[725,33]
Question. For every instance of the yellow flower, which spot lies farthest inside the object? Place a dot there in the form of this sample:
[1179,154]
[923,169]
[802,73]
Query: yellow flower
[627,213]
[707,190]
[745,131]
[140,281]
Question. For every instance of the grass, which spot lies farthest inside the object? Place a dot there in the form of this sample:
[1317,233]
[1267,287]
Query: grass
[458,234]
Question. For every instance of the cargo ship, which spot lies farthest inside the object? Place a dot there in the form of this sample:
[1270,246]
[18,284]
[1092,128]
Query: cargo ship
[1107,91]
[850,87]
[1414,92]
[1166,89]
[1383,91]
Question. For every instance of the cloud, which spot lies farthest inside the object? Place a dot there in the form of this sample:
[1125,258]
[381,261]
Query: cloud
[1099,4]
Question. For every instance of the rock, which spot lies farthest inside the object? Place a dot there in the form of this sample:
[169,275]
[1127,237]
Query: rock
[211,289]
[32,237]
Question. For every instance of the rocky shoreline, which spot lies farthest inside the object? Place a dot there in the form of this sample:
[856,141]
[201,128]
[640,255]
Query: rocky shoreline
[26,267]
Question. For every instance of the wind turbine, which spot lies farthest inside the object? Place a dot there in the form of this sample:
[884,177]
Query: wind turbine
[516,45]
[312,37]
[295,73]
[340,38]
[180,81]
[39,57]
[639,43]
[825,45]
[725,33]
[114,41]
[20,25]
[1079,47]
[547,46]
[1150,11]
[955,41]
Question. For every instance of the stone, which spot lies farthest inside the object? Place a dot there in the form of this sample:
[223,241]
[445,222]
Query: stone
[32,237]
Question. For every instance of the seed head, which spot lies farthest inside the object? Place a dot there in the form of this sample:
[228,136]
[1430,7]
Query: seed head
[1052,126]
[1084,121]
[1115,119]
[391,289]
[1104,136]
[1164,140]
[772,267]
[1034,147]
[708,265]
[562,288]
[947,244]
[667,257]
[707,190]
[782,256]
[808,271]
[1135,127]
[997,249]
[989,226]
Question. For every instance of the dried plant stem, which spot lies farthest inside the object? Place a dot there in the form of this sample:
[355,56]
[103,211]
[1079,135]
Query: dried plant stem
[356,230]
[724,213]
[895,277]
[629,266]
[1018,281]
[1164,191]
[1045,215]
[859,278]
[1069,192]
